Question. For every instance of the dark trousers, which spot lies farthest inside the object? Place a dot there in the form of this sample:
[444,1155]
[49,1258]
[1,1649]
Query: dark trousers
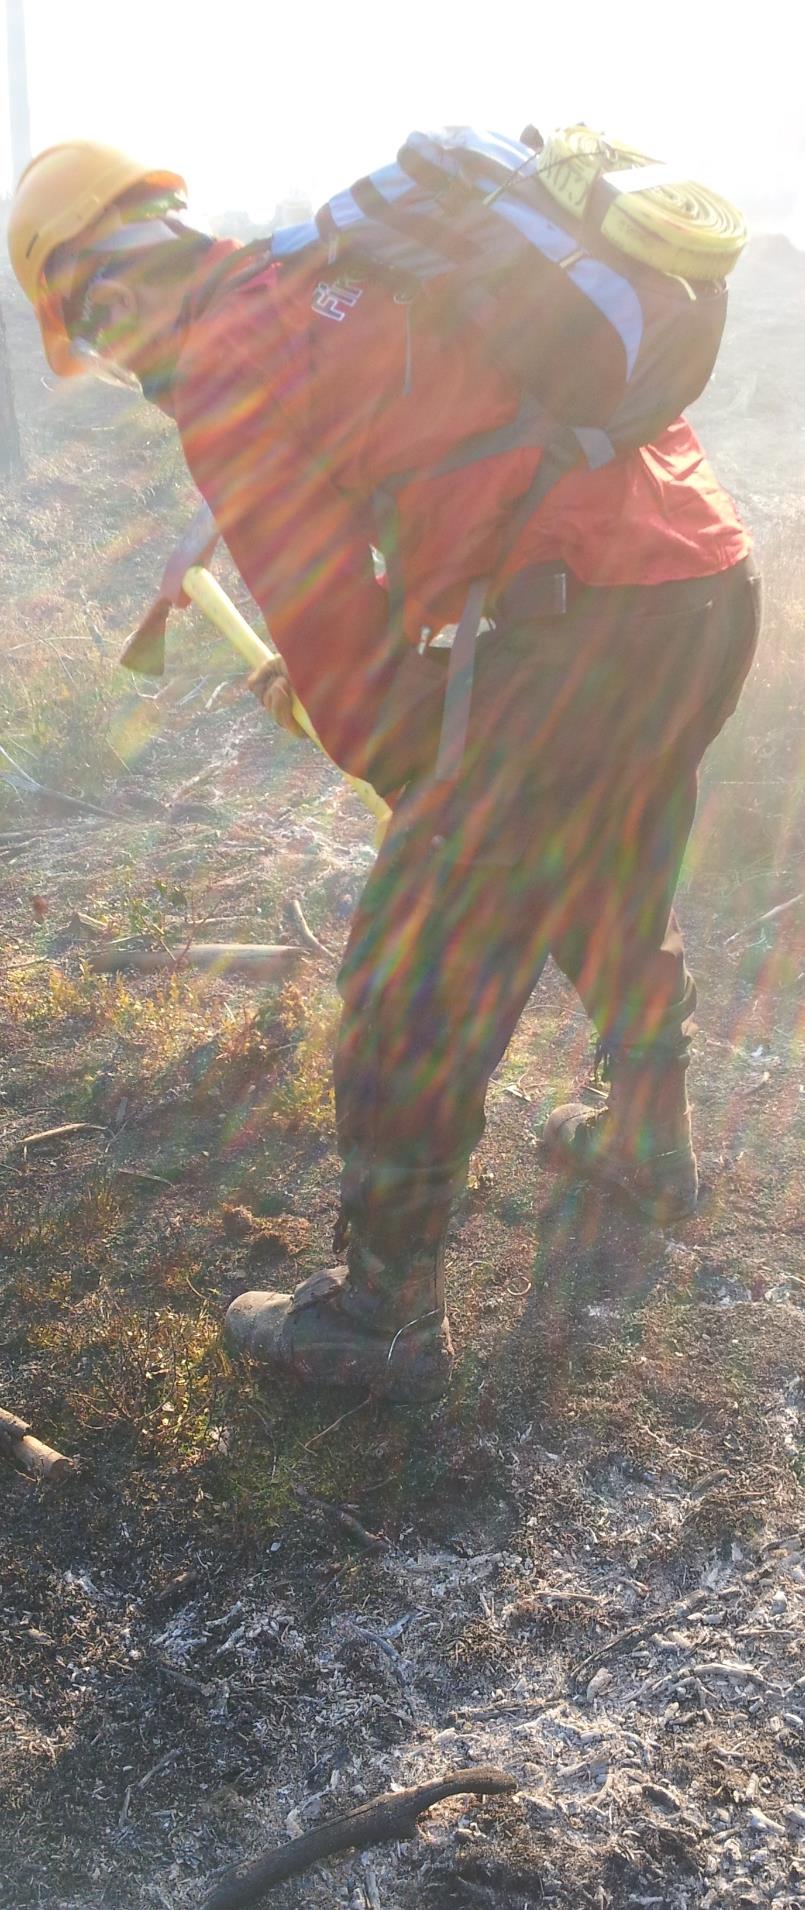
[564,836]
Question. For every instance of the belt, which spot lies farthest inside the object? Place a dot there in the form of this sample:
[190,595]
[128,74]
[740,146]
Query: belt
[540,590]
[549,590]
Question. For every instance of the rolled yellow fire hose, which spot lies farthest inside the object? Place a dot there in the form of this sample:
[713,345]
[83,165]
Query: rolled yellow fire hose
[205,591]
[646,209]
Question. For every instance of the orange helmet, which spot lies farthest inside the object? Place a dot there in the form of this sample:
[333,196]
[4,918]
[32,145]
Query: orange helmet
[68,190]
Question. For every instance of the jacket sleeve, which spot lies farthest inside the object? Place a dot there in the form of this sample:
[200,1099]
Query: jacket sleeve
[303,547]
[306,555]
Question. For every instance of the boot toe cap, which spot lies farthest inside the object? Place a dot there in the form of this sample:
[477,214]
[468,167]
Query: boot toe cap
[255,1324]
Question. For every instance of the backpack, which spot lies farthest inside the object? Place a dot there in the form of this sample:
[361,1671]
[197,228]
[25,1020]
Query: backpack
[573,262]
[609,344]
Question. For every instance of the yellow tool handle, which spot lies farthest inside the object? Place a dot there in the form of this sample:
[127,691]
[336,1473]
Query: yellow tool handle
[205,591]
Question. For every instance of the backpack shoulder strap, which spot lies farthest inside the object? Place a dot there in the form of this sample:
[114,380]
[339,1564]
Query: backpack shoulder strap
[458,688]
[564,449]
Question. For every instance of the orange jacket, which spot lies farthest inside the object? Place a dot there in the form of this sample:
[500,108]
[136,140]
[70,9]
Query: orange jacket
[297,398]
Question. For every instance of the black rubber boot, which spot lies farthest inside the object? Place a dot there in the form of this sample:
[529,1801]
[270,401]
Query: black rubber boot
[640,1142]
[372,1324]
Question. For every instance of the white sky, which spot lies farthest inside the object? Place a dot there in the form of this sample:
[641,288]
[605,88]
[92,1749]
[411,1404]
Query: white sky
[251,99]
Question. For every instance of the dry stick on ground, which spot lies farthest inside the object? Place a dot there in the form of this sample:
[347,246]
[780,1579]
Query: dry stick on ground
[261,961]
[310,940]
[381,1821]
[349,1565]
[141,1174]
[62,1133]
[17,1443]
[770,916]
[371,1541]
[506,1708]
[325,1431]
[89,922]
[31,961]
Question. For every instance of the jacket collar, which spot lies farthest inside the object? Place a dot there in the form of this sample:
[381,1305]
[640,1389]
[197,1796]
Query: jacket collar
[225,264]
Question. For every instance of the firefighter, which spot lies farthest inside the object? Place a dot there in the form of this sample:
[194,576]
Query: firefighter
[624,622]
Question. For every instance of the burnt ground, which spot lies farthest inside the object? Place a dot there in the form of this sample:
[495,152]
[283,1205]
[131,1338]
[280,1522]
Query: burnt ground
[589,1561]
